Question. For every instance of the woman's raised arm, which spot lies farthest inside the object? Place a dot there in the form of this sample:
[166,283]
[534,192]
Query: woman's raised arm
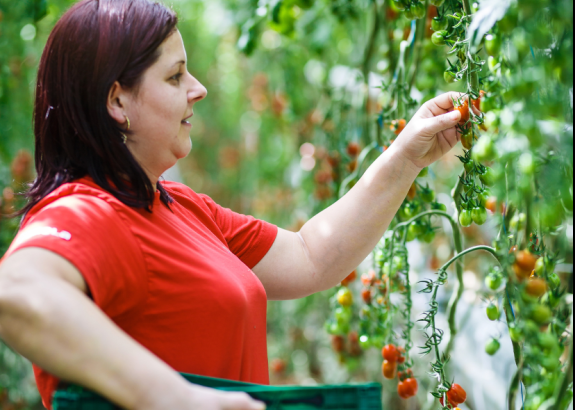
[336,241]
[46,316]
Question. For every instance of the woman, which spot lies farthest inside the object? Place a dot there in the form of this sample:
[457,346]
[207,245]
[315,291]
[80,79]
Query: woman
[116,280]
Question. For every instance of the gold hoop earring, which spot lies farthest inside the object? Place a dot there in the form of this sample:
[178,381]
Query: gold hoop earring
[128,121]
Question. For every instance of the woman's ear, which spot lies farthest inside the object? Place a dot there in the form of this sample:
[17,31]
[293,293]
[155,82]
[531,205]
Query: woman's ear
[115,103]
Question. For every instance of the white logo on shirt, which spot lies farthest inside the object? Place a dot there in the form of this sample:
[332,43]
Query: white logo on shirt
[46,231]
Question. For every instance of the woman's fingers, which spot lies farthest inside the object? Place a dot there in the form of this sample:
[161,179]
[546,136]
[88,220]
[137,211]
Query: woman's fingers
[440,123]
[242,401]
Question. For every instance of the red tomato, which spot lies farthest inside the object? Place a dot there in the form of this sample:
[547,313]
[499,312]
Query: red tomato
[278,366]
[353,149]
[391,353]
[408,388]
[366,296]
[397,126]
[352,276]
[369,278]
[477,103]
[401,359]
[389,370]
[457,395]
[338,343]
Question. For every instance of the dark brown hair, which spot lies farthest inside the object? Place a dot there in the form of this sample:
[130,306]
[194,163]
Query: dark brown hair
[95,43]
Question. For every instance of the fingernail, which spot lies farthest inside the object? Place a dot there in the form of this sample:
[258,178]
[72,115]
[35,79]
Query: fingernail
[259,406]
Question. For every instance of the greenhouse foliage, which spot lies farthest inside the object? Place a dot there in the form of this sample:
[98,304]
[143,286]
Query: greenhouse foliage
[304,95]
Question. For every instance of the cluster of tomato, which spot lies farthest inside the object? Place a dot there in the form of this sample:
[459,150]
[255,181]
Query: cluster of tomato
[394,365]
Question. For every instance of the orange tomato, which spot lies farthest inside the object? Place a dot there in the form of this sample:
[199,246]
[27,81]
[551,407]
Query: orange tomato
[391,353]
[526,260]
[491,205]
[389,370]
[536,287]
[412,192]
[353,149]
[477,103]
[352,277]
[397,126]
[464,110]
[369,278]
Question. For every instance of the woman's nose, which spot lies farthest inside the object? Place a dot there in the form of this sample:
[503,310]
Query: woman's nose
[197,93]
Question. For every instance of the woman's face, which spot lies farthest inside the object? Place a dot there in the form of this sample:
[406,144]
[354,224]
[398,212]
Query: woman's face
[160,112]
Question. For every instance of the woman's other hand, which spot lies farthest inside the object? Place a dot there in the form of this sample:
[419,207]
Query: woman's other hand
[202,398]
[432,132]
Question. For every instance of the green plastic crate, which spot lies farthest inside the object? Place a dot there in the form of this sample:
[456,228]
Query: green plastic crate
[344,397]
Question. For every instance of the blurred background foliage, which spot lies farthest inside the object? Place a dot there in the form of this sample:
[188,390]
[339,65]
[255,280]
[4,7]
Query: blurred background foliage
[289,92]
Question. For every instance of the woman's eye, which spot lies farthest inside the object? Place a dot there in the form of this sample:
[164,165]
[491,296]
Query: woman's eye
[177,77]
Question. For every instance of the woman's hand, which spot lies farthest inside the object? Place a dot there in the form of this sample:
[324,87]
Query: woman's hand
[432,132]
[197,397]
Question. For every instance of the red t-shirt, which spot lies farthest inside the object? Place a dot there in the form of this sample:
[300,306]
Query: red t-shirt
[178,281]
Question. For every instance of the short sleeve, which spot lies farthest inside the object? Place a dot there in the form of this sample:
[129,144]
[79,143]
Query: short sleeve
[90,234]
[248,238]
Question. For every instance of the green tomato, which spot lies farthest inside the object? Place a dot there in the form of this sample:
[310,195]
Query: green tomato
[343,316]
[551,364]
[439,38]
[439,24]
[429,236]
[398,263]
[554,280]
[479,215]
[469,166]
[494,281]
[493,44]
[428,195]
[410,13]
[437,3]
[516,334]
[484,150]
[548,342]
[488,177]
[333,328]
[424,172]
[465,218]
[527,163]
[436,206]
[492,347]
[411,233]
[364,342]
[493,312]
[450,77]
[400,5]
[541,314]
[419,10]
[484,197]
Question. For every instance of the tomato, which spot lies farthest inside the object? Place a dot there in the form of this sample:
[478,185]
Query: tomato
[464,110]
[479,215]
[345,297]
[477,103]
[278,366]
[516,334]
[429,236]
[402,358]
[465,218]
[412,192]
[424,172]
[366,296]
[437,3]
[439,38]
[397,126]
[518,222]
[389,370]
[352,277]
[439,24]
[408,388]
[541,314]
[427,195]
[338,343]
[485,149]
[526,260]
[400,5]
[467,139]
[488,177]
[353,149]
[493,312]
[343,316]
[368,279]
[419,10]
[493,44]
[410,13]
[554,280]
[494,281]
[391,353]
[450,77]
[457,395]
[491,205]
[492,347]
[536,287]
[436,206]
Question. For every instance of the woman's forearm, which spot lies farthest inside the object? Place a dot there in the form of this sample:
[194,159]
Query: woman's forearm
[58,328]
[342,236]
